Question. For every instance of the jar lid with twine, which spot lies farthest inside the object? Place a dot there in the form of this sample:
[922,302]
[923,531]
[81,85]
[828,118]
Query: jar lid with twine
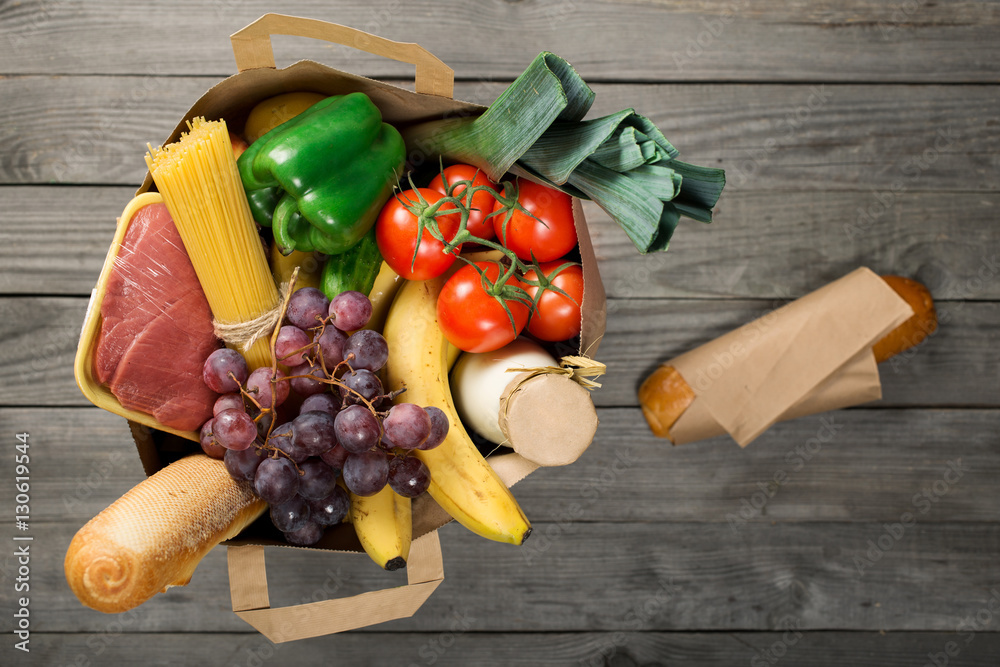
[547,414]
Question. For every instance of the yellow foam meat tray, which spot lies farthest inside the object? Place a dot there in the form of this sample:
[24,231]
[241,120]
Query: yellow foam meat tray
[83,366]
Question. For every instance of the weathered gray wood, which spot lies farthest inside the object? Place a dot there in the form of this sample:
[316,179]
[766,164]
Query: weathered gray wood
[460,649]
[574,576]
[776,245]
[53,240]
[784,245]
[826,41]
[640,549]
[38,342]
[957,366]
[94,130]
[807,470]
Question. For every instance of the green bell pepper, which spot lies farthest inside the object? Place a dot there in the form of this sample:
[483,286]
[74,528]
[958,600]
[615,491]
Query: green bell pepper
[262,203]
[329,170]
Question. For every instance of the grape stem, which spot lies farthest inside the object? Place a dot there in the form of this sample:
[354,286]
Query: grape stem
[330,378]
[274,361]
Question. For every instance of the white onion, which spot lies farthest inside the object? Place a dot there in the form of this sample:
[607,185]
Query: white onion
[479,379]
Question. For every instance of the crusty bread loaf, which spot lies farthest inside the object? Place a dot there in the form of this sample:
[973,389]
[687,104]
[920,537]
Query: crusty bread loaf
[665,395]
[155,535]
[914,330]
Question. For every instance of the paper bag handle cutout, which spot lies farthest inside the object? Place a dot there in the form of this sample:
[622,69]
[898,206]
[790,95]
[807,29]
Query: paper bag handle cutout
[252,48]
[248,586]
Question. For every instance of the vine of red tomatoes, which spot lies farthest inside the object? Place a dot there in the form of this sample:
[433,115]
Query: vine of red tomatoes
[486,304]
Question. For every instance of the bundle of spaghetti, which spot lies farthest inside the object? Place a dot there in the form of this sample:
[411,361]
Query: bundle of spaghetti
[201,187]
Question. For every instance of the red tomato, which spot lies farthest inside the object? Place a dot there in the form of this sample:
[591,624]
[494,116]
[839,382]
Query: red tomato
[474,320]
[483,202]
[396,234]
[556,317]
[549,237]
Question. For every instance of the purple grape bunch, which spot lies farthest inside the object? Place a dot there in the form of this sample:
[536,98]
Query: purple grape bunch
[337,436]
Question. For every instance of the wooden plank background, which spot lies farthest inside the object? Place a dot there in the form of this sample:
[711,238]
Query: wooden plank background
[853,133]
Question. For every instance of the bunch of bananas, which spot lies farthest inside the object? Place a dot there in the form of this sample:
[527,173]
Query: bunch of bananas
[462,482]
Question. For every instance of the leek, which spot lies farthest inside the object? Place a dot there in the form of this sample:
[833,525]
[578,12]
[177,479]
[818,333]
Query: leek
[621,161]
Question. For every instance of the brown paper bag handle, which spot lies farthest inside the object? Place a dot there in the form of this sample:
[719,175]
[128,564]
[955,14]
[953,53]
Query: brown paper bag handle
[248,587]
[252,48]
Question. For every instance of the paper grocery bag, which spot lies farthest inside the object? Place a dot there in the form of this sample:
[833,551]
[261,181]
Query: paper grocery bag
[812,355]
[232,99]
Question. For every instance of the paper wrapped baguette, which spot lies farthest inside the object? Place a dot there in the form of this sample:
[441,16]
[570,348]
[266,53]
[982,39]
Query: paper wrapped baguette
[913,331]
[155,535]
[815,354]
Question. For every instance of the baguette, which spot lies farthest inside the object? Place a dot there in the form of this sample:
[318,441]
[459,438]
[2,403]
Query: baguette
[913,331]
[155,535]
[665,395]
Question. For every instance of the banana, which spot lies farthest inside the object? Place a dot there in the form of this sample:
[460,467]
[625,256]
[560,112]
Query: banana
[451,356]
[310,269]
[386,284]
[283,265]
[384,526]
[462,482]
[383,522]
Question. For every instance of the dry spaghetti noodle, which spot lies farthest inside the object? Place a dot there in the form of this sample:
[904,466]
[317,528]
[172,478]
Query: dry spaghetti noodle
[200,184]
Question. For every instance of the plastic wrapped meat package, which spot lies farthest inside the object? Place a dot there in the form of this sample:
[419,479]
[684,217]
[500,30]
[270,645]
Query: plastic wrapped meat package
[156,326]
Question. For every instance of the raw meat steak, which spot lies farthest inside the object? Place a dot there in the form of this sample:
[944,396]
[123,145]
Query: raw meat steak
[152,271]
[156,326]
[161,371]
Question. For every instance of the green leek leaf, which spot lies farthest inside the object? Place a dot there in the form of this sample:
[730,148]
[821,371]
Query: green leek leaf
[621,161]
